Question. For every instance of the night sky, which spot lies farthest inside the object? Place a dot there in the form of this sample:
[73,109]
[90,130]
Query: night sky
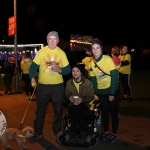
[113,22]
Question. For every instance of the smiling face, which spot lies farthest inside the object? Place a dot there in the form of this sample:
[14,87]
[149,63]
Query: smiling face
[52,42]
[76,73]
[96,49]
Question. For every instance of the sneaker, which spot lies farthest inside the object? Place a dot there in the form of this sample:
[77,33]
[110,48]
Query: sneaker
[72,137]
[104,136]
[82,137]
[112,138]
[36,137]
[11,90]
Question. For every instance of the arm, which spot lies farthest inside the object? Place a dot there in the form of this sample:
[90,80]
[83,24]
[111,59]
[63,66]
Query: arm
[94,82]
[89,93]
[127,60]
[33,70]
[32,73]
[125,63]
[114,81]
[66,70]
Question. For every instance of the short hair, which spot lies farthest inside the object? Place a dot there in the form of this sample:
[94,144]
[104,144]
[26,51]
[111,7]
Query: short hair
[115,50]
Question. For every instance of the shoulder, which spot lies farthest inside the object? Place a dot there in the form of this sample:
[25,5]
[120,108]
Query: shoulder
[60,50]
[43,48]
[128,55]
[87,81]
[107,58]
[70,81]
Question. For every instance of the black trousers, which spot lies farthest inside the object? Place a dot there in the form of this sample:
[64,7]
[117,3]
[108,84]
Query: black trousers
[110,108]
[77,116]
[7,83]
[125,80]
[43,95]
[27,82]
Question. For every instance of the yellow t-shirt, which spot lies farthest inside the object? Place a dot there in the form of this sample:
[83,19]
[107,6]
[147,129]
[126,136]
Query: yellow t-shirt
[125,69]
[106,64]
[46,74]
[25,65]
[86,62]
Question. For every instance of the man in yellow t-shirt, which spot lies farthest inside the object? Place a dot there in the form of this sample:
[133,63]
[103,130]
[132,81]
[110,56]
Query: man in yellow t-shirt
[52,64]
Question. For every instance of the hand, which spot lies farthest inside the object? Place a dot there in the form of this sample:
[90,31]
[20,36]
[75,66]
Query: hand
[77,102]
[33,82]
[71,99]
[111,98]
[56,68]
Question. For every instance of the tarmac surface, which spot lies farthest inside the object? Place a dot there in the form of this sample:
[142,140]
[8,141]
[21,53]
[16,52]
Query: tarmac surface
[133,132]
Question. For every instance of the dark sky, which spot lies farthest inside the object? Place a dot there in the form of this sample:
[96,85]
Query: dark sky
[113,22]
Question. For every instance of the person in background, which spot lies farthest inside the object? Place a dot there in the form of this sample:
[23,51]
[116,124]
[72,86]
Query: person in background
[52,63]
[9,74]
[114,55]
[104,77]
[25,65]
[87,60]
[71,56]
[79,86]
[125,72]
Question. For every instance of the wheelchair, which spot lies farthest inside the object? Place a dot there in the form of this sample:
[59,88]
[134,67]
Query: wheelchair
[93,129]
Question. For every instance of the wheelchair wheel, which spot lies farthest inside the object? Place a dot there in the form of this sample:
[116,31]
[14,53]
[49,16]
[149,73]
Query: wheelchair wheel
[94,142]
[60,138]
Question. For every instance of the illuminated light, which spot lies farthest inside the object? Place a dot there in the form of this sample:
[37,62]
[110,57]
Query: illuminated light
[146,51]
[22,45]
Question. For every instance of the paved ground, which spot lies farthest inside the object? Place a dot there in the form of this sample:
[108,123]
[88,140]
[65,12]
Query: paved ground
[133,133]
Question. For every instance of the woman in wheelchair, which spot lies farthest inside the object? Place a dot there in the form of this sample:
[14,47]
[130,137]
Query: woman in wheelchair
[79,92]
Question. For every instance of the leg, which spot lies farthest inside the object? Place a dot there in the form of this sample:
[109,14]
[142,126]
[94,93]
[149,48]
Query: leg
[57,97]
[114,106]
[81,113]
[114,109]
[104,102]
[41,101]
[73,117]
[128,86]
[7,83]
[123,81]
[26,83]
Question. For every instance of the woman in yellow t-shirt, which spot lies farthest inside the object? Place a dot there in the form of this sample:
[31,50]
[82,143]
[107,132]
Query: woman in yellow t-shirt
[87,61]
[125,71]
[25,65]
[104,77]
